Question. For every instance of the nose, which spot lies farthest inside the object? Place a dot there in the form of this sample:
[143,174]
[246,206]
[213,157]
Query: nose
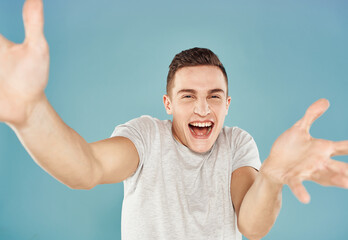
[202,108]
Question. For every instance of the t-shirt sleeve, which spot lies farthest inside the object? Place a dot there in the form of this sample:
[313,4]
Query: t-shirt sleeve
[245,150]
[135,130]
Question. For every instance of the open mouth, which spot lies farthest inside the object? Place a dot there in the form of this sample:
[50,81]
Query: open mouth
[201,130]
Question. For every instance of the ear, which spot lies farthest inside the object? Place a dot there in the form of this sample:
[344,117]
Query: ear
[228,102]
[167,104]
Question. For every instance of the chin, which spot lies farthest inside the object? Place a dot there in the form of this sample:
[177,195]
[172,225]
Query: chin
[201,148]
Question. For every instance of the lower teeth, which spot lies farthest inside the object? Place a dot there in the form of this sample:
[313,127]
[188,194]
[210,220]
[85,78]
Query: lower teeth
[201,134]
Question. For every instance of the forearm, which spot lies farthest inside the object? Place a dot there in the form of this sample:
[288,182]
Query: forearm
[56,147]
[260,207]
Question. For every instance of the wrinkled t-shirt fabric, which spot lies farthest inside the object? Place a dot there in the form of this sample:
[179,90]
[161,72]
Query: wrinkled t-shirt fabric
[176,193]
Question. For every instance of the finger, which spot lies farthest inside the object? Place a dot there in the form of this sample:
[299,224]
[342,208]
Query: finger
[299,191]
[339,181]
[33,19]
[340,148]
[313,112]
[334,173]
[338,167]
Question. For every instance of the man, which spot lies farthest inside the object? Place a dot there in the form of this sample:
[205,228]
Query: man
[186,179]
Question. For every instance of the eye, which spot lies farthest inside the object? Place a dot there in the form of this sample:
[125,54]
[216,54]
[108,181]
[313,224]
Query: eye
[215,96]
[187,96]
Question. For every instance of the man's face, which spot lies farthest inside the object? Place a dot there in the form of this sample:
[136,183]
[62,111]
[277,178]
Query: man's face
[199,105]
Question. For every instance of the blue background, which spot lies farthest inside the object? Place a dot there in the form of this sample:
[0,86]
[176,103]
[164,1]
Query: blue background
[109,61]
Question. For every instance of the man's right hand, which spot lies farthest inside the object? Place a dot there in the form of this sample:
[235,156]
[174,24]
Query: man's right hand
[24,67]
[53,145]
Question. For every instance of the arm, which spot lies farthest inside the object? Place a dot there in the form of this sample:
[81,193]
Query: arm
[295,157]
[257,202]
[64,154]
[52,144]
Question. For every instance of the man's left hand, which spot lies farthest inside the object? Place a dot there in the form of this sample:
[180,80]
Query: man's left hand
[296,156]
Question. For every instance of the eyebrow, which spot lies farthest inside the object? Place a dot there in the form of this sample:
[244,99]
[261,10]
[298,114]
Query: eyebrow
[215,90]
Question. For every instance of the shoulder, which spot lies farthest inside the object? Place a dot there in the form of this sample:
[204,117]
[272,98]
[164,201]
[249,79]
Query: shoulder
[144,121]
[236,135]
[244,149]
[143,125]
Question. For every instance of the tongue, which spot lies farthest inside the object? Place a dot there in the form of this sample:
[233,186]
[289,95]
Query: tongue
[200,131]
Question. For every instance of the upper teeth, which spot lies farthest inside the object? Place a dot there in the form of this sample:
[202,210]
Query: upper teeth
[206,124]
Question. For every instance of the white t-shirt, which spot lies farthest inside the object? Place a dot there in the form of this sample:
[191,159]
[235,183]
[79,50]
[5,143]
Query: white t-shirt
[176,193]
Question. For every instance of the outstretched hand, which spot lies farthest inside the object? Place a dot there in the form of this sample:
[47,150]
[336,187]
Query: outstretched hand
[24,67]
[296,156]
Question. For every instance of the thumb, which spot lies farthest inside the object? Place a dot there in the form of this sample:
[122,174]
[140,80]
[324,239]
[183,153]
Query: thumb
[313,112]
[33,20]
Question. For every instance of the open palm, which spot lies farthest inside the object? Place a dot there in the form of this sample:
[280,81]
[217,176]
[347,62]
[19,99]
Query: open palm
[24,67]
[296,156]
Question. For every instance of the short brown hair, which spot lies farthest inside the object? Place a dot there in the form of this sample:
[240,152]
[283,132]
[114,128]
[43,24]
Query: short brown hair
[193,57]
